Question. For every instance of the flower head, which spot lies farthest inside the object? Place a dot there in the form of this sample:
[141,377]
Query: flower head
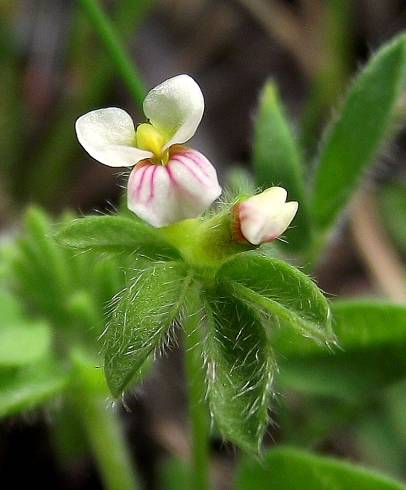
[169,182]
[264,217]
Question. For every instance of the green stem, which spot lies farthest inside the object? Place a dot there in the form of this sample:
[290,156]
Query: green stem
[198,411]
[114,46]
[102,427]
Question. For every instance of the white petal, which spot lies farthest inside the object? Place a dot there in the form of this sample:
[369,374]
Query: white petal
[175,107]
[165,194]
[108,136]
[266,216]
[270,199]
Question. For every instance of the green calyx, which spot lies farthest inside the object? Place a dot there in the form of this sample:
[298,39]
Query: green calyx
[205,244]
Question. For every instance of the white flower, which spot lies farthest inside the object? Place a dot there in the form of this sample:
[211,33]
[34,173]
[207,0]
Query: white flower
[169,182]
[264,217]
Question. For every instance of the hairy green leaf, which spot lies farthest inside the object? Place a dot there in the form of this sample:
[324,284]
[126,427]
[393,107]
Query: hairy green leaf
[290,297]
[277,161]
[240,369]
[294,469]
[115,233]
[371,337]
[355,136]
[141,319]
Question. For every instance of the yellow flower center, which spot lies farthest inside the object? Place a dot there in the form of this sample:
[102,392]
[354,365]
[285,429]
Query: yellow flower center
[149,138]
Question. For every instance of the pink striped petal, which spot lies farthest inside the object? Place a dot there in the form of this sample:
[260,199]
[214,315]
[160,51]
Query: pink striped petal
[183,188]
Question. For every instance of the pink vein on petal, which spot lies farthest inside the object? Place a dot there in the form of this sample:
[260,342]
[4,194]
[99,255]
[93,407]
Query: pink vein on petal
[148,177]
[171,176]
[140,181]
[152,184]
[176,183]
[198,161]
[186,164]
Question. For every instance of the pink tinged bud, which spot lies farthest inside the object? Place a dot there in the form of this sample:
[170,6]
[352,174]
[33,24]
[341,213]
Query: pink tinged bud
[183,188]
[264,217]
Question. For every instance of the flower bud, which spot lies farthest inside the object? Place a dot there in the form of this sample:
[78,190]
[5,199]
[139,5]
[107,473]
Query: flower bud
[264,217]
[182,188]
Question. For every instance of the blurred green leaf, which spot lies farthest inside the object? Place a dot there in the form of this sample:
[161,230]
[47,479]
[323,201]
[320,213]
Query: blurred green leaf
[141,319]
[175,474]
[22,341]
[23,344]
[114,233]
[40,261]
[238,182]
[293,469]
[286,295]
[11,312]
[393,209]
[358,325]
[370,354]
[26,388]
[355,136]
[277,161]
[367,323]
[67,288]
[310,421]
[240,369]
[378,443]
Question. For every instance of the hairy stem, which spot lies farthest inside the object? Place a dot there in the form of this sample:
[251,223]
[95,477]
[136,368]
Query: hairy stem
[198,410]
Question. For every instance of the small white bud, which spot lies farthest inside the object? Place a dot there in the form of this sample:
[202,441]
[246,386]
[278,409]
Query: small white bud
[264,217]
